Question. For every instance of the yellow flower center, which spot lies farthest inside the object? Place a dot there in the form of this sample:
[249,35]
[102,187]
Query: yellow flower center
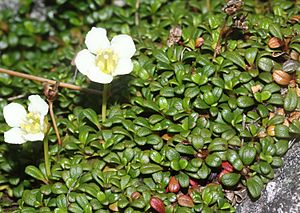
[32,124]
[107,60]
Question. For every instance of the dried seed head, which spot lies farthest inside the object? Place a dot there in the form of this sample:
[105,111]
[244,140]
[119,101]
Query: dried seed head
[240,22]
[51,91]
[199,42]
[281,77]
[174,36]
[275,43]
[232,6]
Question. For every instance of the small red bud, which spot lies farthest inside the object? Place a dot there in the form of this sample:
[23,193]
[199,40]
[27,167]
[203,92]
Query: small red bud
[227,166]
[174,185]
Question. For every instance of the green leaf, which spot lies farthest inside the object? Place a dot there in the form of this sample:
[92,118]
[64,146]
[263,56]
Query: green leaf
[91,116]
[183,179]
[282,131]
[290,100]
[124,181]
[250,55]
[245,101]
[155,156]
[275,30]
[234,159]
[247,154]
[150,168]
[185,149]
[35,173]
[59,188]
[295,127]
[230,179]
[235,58]
[218,144]
[213,160]
[266,64]
[254,186]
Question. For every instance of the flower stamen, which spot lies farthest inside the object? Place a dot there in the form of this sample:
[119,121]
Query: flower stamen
[107,61]
[32,123]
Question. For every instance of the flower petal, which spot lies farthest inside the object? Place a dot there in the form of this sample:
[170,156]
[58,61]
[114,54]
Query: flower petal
[14,136]
[14,114]
[37,105]
[96,40]
[34,137]
[123,46]
[84,59]
[124,67]
[96,75]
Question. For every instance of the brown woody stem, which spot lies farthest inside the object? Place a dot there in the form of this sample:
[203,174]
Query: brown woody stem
[45,80]
[54,122]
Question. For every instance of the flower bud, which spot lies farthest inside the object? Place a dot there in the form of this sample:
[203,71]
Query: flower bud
[173,186]
[281,77]
[275,43]
[157,204]
[185,200]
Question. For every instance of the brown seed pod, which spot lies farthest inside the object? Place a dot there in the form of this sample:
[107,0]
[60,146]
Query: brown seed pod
[281,77]
[275,42]
[199,42]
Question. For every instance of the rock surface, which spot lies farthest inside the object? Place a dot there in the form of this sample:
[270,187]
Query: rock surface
[282,194]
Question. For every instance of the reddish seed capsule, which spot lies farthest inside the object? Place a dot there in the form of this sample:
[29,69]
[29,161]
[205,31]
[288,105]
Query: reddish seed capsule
[227,166]
[157,204]
[185,200]
[135,195]
[174,185]
[193,182]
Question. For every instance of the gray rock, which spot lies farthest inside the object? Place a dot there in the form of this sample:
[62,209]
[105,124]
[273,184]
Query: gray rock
[282,194]
[39,10]
[12,4]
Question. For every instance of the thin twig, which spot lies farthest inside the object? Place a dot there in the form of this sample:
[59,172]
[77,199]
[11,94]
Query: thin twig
[54,122]
[45,80]
[221,34]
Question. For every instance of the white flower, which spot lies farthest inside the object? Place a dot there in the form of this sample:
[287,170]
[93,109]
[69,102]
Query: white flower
[102,60]
[29,126]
